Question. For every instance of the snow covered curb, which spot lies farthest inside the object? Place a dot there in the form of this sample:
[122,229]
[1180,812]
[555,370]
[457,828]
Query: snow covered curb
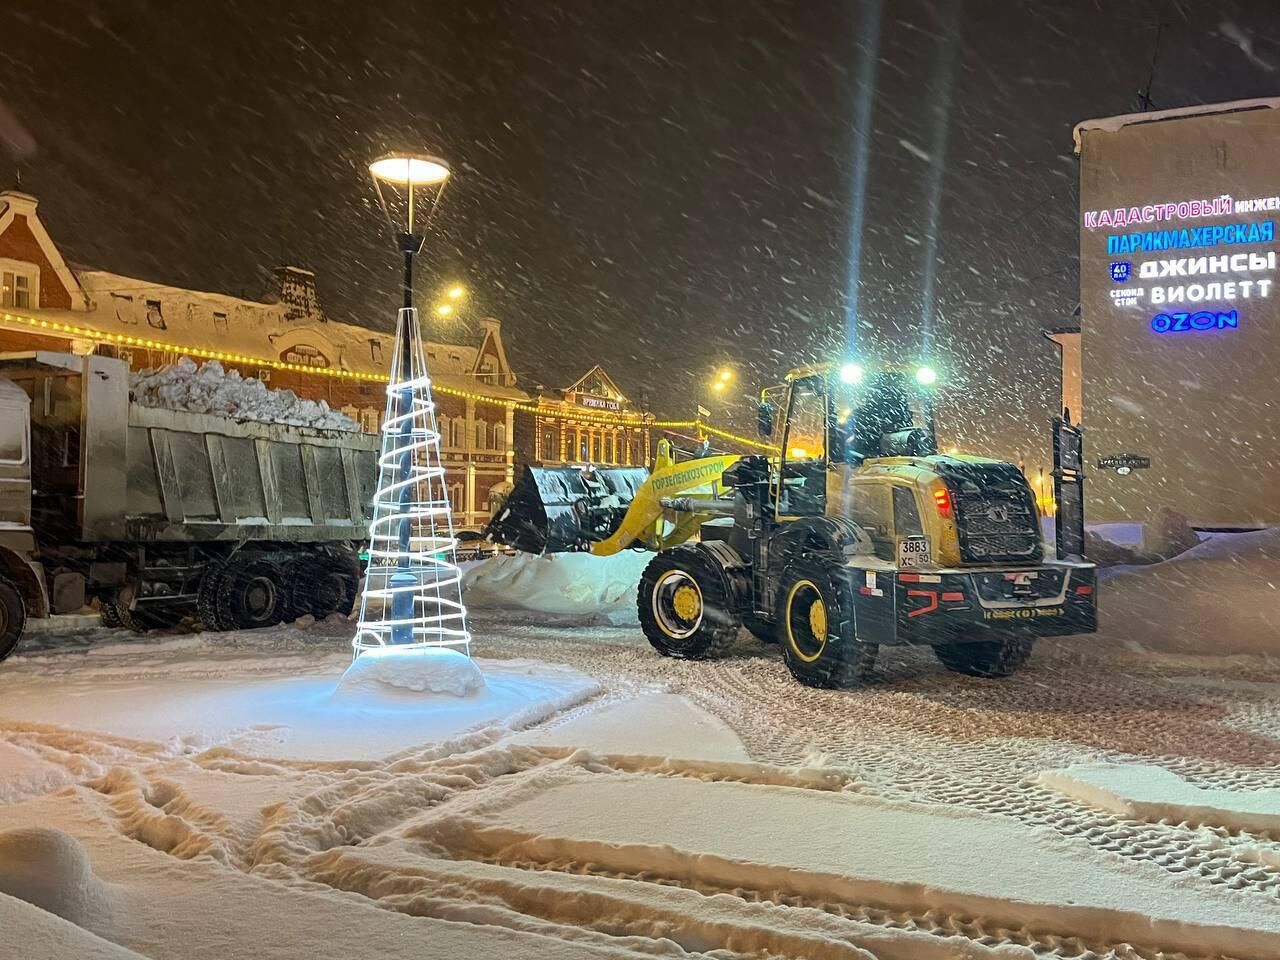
[1154,794]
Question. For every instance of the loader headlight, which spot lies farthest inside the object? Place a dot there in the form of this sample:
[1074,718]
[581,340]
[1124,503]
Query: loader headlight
[851,374]
[926,376]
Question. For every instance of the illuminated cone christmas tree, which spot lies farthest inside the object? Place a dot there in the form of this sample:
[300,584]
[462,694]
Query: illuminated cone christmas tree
[413,589]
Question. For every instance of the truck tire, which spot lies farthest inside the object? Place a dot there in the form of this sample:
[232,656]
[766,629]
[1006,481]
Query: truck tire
[109,613]
[987,658]
[816,627]
[149,617]
[207,599]
[321,586]
[685,605]
[251,594]
[13,616]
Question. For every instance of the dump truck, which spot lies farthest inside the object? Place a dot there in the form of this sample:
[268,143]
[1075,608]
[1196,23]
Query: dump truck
[856,534]
[161,514]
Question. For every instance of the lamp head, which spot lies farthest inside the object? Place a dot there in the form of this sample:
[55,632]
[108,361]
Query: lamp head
[408,186]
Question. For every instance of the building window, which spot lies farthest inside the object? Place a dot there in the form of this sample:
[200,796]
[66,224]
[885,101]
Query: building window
[71,447]
[123,304]
[500,437]
[369,420]
[455,497]
[455,432]
[482,435]
[550,445]
[375,351]
[219,321]
[20,288]
[155,317]
[442,428]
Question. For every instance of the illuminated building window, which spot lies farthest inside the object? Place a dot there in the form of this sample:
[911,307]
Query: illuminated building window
[18,288]
[375,350]
[155,317]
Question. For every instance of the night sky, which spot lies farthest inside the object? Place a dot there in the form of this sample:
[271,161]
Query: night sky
[657,186]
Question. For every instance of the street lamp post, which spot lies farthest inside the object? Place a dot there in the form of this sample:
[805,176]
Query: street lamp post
[411,534]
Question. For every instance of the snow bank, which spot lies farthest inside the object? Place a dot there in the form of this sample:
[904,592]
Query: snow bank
[208,388]
[572,584]
[1144,792]
[45,937]
[1219,597]
[49,870]
[423,670]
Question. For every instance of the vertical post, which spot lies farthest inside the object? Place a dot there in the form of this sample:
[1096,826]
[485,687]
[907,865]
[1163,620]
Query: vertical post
[402,601]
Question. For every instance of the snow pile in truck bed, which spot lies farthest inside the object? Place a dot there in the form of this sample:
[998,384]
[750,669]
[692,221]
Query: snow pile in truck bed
[1217,598]
[208,388]
[568,584]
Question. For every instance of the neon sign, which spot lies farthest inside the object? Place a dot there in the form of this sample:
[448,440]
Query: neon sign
[1198,322]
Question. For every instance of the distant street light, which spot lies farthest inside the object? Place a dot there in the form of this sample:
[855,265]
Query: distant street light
[444,310]
[457,293]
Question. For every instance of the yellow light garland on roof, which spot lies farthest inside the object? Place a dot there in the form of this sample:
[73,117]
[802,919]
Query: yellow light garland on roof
[120,339]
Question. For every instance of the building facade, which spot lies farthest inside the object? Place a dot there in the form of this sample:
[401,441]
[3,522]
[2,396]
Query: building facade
[591,421]
[286,339]
[1180,316]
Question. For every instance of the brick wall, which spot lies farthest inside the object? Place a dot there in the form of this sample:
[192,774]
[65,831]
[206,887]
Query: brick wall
[19,243]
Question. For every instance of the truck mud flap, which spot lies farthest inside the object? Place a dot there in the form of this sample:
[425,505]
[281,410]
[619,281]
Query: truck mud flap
[560,509]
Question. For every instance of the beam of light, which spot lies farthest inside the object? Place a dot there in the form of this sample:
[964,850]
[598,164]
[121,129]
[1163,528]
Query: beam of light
[944,66]
[868,25]
[413,589]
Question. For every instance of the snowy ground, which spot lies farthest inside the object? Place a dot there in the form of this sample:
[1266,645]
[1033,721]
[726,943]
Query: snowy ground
[229,799]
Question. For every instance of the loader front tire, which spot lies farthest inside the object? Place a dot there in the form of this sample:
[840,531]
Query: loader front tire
[992,659]
[685,605]
[13,616]
[816,628]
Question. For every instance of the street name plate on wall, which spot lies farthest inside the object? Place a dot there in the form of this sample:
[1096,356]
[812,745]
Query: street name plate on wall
[1124,463]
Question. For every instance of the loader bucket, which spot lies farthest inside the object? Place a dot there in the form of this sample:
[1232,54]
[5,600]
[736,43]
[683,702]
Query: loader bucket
[559,509]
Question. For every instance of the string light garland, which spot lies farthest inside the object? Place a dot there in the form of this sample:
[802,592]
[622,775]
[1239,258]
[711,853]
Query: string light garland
[202,353]
[413,589]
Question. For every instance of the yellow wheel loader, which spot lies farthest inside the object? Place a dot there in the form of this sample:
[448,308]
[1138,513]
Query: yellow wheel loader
[857,533]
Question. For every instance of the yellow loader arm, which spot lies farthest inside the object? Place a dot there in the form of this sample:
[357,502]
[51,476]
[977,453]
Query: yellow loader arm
[645,519]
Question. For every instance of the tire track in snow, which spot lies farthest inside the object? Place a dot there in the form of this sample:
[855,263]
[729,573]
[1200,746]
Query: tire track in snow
[925,933]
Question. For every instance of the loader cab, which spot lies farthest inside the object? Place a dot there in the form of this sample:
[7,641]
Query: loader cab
[827,422]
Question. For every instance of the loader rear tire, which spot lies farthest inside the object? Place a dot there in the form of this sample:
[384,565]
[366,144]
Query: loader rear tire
[1002,657]
[685,605]
[816,630]
[13,616]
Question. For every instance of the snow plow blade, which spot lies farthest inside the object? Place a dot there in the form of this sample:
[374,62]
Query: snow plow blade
[561,509]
